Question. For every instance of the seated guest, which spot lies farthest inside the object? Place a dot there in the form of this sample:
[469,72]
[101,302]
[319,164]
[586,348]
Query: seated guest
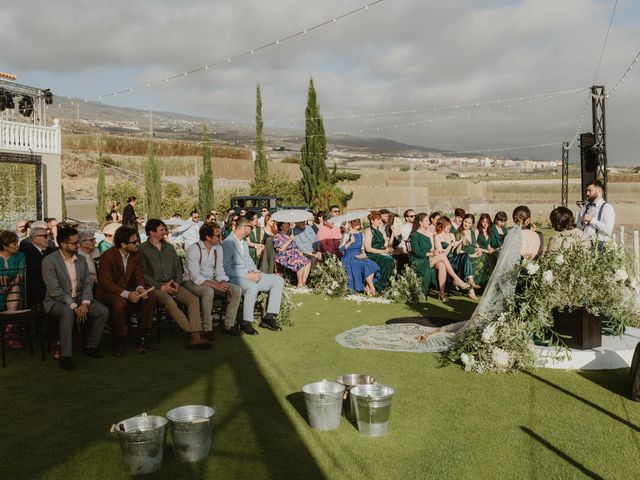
[484,233]
[433,219]
[243,272]
[189,229]
[458,216]
[360,269]
[163,270]
[424,259]
[481,263]
[334,210]
[329,235]
[498,230]
[205,277]
[407,228]
[69,297]
[567,234]
[289,255]
[108,231]
[255,240]
[121,288]
[532,241]
[34,252]
[229,224]
[392,229]
[52,229]
[21,229]
[307,242]
[445,242]
[379,249]
[12,264]
[318,221]
[87,249]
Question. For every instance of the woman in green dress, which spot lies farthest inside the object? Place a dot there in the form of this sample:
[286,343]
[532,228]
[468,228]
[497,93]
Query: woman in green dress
[427,262]
[445,242]
[498,230]
[255,240]
[480,259]
[378,249]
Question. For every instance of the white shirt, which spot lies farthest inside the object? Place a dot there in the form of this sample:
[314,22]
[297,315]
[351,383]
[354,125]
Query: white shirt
[603,227]
[190,232]
[203,264]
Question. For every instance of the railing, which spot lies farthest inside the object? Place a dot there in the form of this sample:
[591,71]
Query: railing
[24,137]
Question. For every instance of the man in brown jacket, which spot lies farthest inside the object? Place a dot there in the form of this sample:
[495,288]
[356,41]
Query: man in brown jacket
[121,288]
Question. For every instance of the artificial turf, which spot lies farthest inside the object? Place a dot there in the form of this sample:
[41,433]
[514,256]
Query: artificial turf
[445,423]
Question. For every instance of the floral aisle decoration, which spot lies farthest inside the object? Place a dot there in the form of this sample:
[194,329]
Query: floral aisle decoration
[285,317]
[329,278]
[405,288]
[604,284]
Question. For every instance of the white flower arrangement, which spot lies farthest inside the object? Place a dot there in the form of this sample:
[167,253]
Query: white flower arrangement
[405,288]
[329,278]
[567,280]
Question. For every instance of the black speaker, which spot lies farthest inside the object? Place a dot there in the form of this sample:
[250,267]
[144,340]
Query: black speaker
[588,161]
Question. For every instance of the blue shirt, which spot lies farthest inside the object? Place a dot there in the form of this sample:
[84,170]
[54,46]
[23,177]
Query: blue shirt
[306,239]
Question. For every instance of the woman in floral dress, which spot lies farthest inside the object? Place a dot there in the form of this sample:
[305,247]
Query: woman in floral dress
[288,255]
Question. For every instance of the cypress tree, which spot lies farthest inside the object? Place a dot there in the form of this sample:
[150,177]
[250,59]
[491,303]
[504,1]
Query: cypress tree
[260,167]
[101,194]
[313,154]
[152,187]
[63,201]
[205,182]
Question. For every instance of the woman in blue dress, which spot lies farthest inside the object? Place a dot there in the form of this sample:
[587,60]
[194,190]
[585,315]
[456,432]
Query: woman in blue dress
[360,269]
[12,263]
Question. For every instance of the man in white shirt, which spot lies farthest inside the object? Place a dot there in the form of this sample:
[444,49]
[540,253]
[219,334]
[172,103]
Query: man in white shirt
[204,277]
[264,211]
[409,217]
[597,217]
[189,230]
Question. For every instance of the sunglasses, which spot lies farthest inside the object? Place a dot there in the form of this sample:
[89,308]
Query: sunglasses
[411,216]
[134,242]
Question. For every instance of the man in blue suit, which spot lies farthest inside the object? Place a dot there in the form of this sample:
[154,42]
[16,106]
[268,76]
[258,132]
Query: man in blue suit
[241,271]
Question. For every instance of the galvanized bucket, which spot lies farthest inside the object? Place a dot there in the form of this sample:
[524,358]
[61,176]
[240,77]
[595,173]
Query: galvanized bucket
[191,431]
[324,404]
[372,406]
[142,442]
[350,381]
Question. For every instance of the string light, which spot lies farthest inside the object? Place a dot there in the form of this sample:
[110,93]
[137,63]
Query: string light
[248,52]
[624,76]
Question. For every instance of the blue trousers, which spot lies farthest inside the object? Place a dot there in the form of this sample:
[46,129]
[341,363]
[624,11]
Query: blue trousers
[269,282]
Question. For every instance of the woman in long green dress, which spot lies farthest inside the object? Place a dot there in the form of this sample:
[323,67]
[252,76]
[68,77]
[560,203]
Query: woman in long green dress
[255,239]
[444,241]
[498,230]
[431,265]
[377,248]
[480,261]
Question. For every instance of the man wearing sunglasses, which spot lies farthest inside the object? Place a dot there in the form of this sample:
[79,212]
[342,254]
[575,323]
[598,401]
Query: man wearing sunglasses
[190,230]
[69,297]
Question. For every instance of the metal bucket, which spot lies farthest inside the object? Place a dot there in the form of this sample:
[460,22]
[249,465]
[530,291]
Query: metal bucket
[324,404]
[191,431]
[350,381]
[142,442]
[372,406]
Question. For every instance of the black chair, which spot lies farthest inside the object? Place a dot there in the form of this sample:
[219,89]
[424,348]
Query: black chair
[23,321]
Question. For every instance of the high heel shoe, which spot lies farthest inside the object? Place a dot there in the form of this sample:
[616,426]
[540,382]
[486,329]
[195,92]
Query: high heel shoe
[443,298]
[472,294]
[472,283]
[464,286]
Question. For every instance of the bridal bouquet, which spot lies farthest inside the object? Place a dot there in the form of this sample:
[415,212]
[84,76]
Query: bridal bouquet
[604,284]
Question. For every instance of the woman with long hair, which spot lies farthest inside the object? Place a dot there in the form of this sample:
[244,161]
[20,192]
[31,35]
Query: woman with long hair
[268,258]
[484,232]
[480,260]
[360,270]
[425,258]
[498,230]
[288,255]
[376,245]
[445,242]
[255,240]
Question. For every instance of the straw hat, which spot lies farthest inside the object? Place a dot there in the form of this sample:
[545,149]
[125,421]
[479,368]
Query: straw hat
[110,228]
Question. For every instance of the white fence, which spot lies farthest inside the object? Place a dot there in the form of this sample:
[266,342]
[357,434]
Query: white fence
[28,138]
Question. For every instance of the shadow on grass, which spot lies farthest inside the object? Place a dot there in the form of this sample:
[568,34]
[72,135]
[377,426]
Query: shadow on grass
[585,401]
[553,449]
[296,399]
[59,421]
[616,381]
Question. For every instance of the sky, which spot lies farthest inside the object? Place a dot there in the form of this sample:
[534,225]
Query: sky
[396,56]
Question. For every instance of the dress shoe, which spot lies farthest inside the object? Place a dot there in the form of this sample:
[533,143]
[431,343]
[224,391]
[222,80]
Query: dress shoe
[247,327]
[92,352]
[199,346]
[270,323]
[208,335]
[67,364]
[234,330]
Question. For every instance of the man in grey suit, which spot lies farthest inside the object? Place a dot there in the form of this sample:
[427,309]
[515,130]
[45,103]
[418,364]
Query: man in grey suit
[69,296]
[241,271]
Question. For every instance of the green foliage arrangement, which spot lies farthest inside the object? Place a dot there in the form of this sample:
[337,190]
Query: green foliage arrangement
[152,188]
[329,278]
[285,317]
[602,283]
[205,182]
[405,288]
[260,166]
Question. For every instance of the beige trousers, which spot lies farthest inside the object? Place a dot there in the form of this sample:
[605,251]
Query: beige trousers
[185,297]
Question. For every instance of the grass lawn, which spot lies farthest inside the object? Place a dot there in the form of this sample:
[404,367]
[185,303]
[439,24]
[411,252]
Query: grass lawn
[445,423]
